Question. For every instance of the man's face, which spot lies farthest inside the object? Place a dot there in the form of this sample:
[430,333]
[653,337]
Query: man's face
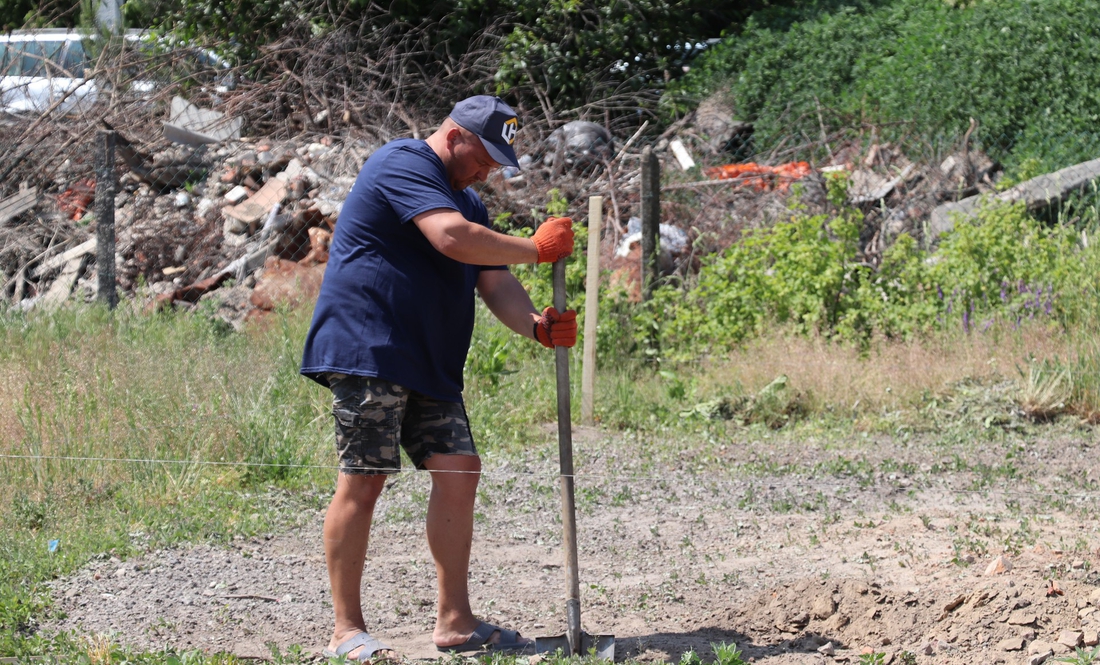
[470,162]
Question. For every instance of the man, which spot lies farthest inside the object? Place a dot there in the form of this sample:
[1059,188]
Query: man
[389,337]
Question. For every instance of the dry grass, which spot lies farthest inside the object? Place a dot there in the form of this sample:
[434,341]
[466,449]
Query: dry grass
[893,375]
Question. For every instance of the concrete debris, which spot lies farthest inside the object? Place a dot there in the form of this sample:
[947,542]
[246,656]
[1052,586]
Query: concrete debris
[237,194]
[1037,194]
[192,125]
[578,145]
[714,123]
[869,187]
[251,211]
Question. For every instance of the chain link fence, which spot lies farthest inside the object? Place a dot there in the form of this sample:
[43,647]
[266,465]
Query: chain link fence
[223,184]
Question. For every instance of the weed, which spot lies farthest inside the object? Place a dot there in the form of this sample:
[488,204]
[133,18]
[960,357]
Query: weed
[1082,657]
[727,654]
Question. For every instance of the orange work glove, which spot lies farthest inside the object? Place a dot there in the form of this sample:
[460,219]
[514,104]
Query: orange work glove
[554,329]
[554,239]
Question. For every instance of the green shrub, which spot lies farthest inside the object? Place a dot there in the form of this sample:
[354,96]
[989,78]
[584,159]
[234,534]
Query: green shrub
[806,275]
[1025,70]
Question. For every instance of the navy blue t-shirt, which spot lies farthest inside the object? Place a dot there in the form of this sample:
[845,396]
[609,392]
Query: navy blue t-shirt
[392,306]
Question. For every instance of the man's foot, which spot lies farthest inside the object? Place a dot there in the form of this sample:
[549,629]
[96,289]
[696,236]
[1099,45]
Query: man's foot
[485,637]
[359,647]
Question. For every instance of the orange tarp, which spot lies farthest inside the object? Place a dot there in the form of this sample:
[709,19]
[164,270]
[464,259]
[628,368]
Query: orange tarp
[761,177]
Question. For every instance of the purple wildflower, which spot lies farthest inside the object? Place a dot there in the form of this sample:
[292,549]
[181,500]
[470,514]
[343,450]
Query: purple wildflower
[1004,296]
[939,290]
[966,319]
[985,326]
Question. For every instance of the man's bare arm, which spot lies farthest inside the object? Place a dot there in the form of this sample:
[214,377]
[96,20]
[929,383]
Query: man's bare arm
[508,301]
[456,238]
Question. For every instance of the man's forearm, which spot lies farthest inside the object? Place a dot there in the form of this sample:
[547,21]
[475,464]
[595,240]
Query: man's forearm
[477,245]
[456,238]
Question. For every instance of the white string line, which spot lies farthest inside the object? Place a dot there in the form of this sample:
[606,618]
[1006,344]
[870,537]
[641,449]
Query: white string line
[497,474]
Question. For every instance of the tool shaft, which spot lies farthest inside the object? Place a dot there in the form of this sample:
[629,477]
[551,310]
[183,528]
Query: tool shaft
[568,501]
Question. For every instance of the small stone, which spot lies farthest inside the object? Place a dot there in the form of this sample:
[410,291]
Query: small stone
[1028,634]
[1071,638]
[1021,618]
[827,649]
[1011,644]
[1039,658]
[823,607]
[1040,646]
[927,649]
[1078,564]
[1094,597]
[1091,638]
[998,566]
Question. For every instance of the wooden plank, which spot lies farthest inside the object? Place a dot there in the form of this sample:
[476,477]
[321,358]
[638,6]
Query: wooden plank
[591,310]
[17,204]
[87,247]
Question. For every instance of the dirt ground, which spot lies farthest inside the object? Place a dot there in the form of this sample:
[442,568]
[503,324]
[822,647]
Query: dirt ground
[782,543]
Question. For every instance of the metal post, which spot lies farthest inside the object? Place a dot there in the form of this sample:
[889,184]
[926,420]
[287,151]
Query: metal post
[568,496]
[591,309]
[105,188]
[651,220]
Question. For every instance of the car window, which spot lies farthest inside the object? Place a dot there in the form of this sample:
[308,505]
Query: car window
[11,64]
[39,58]
[75,60]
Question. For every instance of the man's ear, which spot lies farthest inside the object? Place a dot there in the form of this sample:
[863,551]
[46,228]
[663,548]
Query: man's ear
[454,135]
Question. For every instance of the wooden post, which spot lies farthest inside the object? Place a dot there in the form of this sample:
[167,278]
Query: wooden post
[651,220]
[591,309]
[105,188]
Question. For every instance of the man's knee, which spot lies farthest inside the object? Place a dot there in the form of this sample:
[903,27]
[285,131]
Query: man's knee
[459,473]
[363,490]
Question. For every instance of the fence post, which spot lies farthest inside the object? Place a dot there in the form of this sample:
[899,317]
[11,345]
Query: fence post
[651,220]
[591,309]
[105,188]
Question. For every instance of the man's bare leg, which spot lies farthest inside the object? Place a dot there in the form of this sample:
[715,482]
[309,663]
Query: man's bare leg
[347,529]
[450,533]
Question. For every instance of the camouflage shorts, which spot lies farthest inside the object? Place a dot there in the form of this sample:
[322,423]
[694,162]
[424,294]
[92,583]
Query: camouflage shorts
[373,416]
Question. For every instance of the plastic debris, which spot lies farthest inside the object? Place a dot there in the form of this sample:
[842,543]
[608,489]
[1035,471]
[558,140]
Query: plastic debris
[760,177]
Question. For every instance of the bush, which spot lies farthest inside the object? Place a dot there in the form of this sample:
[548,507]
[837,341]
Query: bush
[806,275]
[1023,69]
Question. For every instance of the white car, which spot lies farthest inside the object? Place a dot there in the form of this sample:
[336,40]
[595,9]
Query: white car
[41,68]
[48,70]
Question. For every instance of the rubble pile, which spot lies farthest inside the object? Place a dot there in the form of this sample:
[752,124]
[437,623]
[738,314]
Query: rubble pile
[214,216]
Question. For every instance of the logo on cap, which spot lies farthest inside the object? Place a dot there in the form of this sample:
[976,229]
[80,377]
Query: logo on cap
[508,131]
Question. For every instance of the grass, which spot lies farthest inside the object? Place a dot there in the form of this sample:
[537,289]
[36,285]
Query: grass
[123,433]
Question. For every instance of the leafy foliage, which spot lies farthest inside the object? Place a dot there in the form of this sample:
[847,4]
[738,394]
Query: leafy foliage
[1025,70]
[805,274]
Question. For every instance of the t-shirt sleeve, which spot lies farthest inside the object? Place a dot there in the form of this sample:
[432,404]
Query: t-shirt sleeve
[412,185]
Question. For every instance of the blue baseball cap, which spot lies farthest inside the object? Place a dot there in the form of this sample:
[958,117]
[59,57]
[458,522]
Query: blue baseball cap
[495,124]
